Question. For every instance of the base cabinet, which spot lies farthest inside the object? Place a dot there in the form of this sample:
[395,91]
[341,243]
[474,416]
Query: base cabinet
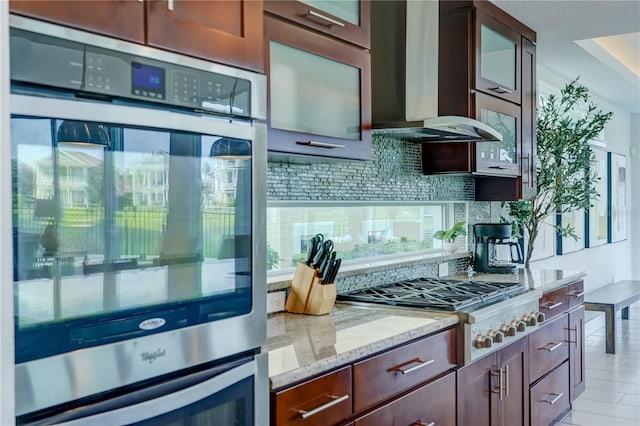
[494,390]
[550,397]
[434,403]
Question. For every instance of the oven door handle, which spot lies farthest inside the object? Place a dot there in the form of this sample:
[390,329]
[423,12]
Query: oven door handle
[168,402]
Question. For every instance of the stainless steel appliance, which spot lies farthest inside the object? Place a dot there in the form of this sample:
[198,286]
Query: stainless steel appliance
[139,191]
[492,313]
[495,252]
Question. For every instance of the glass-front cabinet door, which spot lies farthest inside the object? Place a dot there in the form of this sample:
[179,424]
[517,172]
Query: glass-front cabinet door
[344,19]
[319,94]
[497,59]
[499,158]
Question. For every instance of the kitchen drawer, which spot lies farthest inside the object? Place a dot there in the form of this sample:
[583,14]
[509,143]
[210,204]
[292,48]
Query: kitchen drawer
[575,294]
[554,303]
[548,347]
[398,370]
[322,401]
[550,397]
[431,404]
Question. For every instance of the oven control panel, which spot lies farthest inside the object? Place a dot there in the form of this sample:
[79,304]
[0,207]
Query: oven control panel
[91,69]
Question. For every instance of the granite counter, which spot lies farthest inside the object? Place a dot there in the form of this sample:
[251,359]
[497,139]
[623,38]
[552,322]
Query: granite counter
[302,346]
[536,279]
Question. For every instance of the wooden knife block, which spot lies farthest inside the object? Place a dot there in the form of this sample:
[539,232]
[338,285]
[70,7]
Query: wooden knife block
[307,295]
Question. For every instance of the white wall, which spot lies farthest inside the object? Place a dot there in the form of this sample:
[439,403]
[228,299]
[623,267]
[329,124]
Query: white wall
[616,261]
[6,259]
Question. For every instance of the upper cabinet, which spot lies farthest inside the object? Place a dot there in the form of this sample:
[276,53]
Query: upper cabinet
[121,19]
[498,60]
[486,71]
[319,93]
[225,31]
[228,31]
[347,20]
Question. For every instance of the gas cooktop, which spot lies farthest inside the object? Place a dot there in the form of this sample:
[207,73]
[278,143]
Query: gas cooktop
[432,293]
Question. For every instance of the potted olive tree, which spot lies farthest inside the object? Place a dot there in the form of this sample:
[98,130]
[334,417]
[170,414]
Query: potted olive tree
[565,176]
[449,236]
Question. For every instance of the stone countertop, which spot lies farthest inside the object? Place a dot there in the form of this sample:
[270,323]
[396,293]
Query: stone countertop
[301,346]
[537,279]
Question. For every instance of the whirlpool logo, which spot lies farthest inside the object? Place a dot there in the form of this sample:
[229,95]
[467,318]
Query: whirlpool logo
[152,356]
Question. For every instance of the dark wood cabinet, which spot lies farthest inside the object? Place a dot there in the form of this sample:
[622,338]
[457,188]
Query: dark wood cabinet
[550,397]
[486,69]
[432,404]
[348,20]
[495,390]
[408,384]
[122,19]
[576,353]
[323,401]
[224,31]
[548,347]
[227,31]
[392,372]
[319,97]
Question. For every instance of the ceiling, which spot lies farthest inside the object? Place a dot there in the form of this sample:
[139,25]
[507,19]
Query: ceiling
[608,66]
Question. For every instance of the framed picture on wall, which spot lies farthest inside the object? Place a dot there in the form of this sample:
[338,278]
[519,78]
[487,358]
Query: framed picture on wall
[596,232]
[617,223]
[566,245]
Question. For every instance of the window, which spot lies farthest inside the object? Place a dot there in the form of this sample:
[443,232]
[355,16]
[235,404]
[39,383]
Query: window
[358,231]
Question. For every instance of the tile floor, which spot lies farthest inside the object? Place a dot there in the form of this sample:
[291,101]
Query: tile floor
[612,395]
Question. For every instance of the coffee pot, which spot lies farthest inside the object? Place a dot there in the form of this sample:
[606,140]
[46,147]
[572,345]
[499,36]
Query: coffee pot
[495,251]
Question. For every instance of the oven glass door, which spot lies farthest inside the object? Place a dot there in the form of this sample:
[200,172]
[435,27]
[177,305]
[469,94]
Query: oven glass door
[136,231]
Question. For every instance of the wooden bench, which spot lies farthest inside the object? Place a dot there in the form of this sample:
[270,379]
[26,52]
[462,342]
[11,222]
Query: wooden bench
[610,299]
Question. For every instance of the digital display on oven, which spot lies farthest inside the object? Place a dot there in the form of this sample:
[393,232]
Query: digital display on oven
[147,80]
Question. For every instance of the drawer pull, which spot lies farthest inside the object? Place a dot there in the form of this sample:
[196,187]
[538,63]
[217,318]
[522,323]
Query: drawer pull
[400,368]
[328,21]
[170,5]
[420,423]
[320,144]
[335,401]
[554,400]
[500,89]
[552,348]
[552,305]
[578,294]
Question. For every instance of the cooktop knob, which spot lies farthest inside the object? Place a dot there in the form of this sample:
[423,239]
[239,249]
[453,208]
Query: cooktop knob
[519,325]
[483,341]
[540,316]
[496,336]
[530,319]
[508,330]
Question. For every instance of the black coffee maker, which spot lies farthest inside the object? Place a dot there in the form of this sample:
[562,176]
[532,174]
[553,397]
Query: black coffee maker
[489,237]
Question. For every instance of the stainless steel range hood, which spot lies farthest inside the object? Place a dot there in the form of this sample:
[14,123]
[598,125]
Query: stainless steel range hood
[404,62]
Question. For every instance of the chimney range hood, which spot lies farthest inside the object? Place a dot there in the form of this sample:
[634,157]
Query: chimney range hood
[404,74]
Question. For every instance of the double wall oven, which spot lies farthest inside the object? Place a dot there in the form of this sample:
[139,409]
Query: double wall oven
[138,182]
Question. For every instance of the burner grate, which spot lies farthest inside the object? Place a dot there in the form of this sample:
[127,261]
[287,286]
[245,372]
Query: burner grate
[450,295]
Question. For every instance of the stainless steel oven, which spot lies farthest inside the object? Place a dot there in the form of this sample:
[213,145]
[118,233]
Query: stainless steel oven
[138,226]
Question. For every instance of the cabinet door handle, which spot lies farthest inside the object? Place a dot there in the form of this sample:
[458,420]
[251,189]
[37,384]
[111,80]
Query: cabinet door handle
[525,170]
[554,400]
[328,21]
[497,167]
[400,368]
[500,89]
[506,380]
[577,294]
[421,423]
[335,401]
[552,305]
[552,348]
[575,330]
[500,384]
[320,144]
[170,5]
